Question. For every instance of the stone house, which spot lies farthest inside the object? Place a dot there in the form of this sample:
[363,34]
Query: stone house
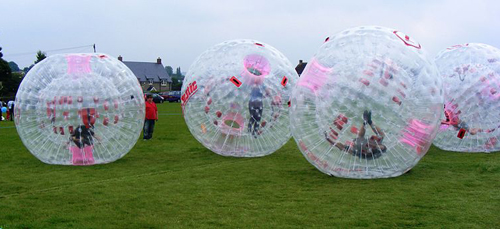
[151,75]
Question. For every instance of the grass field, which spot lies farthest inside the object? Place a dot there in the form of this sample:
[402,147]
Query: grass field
[173,181]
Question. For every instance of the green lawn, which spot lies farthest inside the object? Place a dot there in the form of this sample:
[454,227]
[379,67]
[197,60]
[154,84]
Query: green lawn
[173,181]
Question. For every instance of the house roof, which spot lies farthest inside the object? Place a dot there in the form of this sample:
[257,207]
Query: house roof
[300,67]
[145,71]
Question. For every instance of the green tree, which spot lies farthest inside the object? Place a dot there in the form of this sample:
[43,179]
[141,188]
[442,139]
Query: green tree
[5,73]
[40,56]
[169,70]
[176,84]
[13,66]
[16,79]
[175,81]
[178,72]
[27,69]
[5,76]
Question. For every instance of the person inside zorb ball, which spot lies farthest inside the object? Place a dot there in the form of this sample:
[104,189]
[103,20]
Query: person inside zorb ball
[235,98]
[471,82]
[367,105]
[79,109]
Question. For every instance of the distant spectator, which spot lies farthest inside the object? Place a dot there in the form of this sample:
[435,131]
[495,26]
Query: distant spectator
[151,118]
[10,106]
[1,112]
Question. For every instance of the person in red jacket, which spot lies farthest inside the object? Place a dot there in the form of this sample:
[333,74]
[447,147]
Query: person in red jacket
[151,117]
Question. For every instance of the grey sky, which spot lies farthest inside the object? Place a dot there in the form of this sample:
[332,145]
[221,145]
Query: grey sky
[179,31]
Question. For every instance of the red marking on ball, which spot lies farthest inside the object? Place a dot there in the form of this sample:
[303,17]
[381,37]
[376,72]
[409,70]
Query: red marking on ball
[406,40]
[364,81]
[461,133]
[235,81]
[396,100]
[284,81]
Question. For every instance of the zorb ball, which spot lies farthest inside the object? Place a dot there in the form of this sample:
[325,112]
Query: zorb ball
[235,98]
[79,109]
[367,105]
[471,82]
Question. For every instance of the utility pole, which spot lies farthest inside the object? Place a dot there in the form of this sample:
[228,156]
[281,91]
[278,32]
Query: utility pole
[94,48]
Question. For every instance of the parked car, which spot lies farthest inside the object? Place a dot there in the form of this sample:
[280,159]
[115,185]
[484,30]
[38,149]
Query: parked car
[174,96]
[156,97]
[164,95]
[171,96]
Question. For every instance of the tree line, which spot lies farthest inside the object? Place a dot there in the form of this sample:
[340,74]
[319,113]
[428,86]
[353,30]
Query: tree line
[177,78]
[11,75]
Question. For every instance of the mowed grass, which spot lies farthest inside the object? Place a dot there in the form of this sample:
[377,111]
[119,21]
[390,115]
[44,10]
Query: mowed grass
[173,181]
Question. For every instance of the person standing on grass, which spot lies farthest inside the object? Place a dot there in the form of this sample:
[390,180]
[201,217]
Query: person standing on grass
[10,107]
[2,104]
[151,117]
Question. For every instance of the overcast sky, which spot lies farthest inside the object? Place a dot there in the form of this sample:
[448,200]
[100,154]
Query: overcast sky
[179,31]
